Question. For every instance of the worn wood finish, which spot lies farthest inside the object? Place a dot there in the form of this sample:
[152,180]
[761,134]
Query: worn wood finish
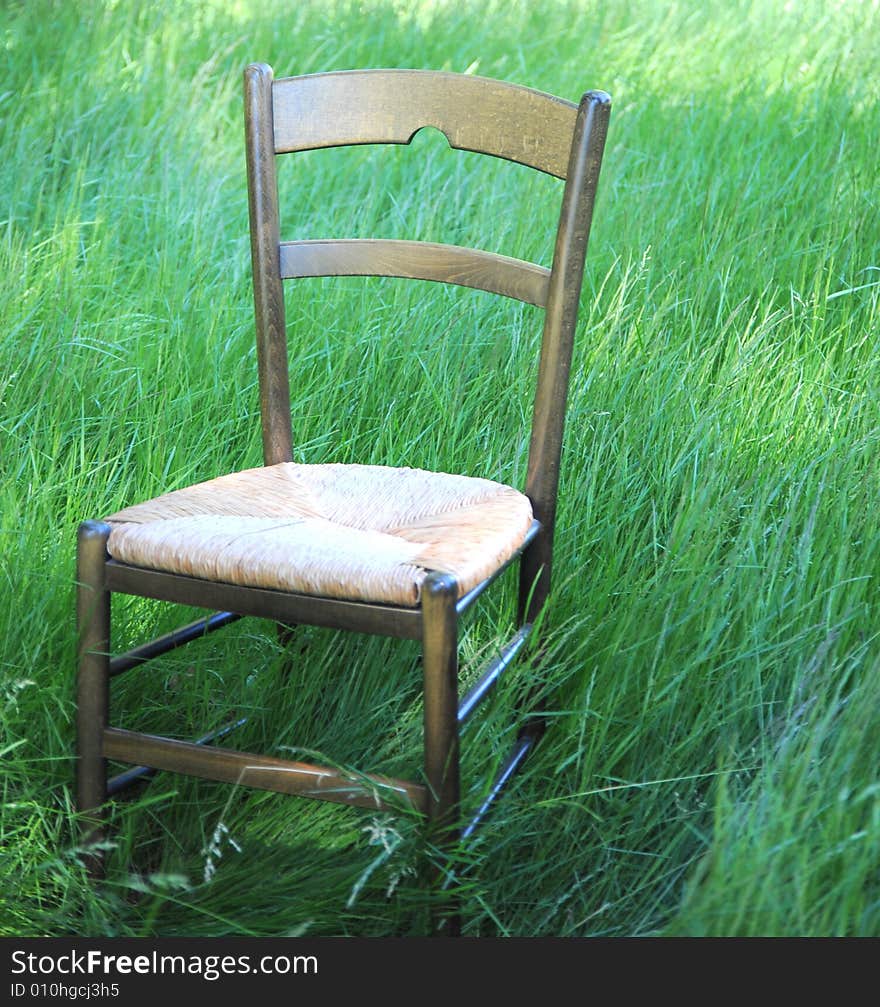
[383,620]
[566,277]
[263,773]
[417,260]
[390,106]
[122,781]
[440,671]
[268,291]
[93,695]
[441,737]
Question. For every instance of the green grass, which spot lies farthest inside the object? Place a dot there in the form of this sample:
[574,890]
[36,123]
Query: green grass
[712,651]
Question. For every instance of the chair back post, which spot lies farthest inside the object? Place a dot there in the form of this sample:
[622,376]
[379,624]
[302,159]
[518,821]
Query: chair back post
[566,277]
[268,291]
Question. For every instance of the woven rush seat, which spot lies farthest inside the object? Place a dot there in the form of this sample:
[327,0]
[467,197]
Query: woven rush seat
[357,532]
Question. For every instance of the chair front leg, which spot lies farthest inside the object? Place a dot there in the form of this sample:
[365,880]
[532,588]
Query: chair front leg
[93,619]
[440,664]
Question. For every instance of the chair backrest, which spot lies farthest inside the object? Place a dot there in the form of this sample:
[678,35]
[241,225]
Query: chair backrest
[476,114]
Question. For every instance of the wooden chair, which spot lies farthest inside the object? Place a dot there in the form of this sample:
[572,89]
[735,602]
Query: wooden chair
[379,550]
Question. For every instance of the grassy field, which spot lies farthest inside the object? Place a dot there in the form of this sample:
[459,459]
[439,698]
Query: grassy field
[712,651]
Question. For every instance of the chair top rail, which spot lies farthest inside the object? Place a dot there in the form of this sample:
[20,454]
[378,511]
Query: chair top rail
[350,107]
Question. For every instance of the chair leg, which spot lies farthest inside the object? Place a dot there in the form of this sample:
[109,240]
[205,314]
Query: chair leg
[440,669]
[534,588]
[534,577]
[93,618]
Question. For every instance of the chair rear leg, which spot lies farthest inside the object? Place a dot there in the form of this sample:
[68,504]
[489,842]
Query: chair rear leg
[93,618]
[534,588]
[440,670]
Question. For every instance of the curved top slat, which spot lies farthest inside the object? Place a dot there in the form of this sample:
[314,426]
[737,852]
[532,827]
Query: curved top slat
[417,260]
[389,106]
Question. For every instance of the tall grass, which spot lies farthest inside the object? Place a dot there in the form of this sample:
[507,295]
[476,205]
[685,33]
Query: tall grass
[712,659]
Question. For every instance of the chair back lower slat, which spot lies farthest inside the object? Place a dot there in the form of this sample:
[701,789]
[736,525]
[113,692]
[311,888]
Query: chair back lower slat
[417,260]
[389,106]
